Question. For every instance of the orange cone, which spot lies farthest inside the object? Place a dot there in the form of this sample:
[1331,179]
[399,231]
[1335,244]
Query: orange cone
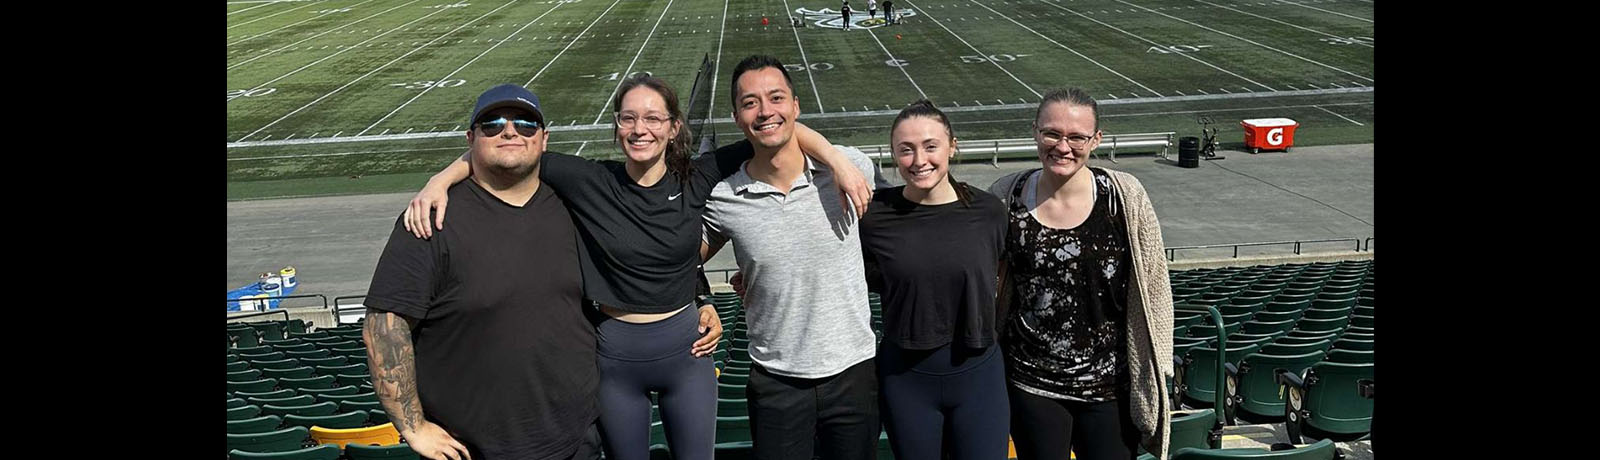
[763,20]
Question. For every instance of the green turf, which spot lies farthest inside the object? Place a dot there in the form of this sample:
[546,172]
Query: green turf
[372,69]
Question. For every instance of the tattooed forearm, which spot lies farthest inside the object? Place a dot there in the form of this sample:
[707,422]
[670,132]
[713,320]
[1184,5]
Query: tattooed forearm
[394,370]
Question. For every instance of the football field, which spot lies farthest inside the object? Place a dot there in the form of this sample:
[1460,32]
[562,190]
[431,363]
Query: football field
[366,96]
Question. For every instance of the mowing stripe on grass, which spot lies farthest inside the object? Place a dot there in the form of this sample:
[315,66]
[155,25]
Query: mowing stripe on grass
[625,74]
[1065,47]
[902,68]
[1152,42]
[1253,42]
[805,61]
[974,48]
[267,16]
[1329,12]
[373,71]
[336,53]
[1280,22]
[569,44]
[263,34]
[458,69]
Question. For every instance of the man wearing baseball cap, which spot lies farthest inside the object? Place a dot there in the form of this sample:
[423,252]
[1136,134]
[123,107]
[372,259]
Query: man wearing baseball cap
[477,343]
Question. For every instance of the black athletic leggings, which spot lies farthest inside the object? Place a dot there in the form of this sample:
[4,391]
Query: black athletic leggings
[636,359]
[1049,429]
[951,390]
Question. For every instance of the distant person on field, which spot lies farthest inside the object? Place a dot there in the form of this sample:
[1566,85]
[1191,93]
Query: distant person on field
[872,8]
[846,11]
[478,346]
[888,11]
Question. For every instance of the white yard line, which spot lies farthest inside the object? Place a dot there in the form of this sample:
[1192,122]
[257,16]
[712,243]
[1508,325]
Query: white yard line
[809,74]
[267,16]
[250,8]
[974,48]
[455,132]
[373,71]
[1338,115]
[1065,47]
[351,23]
[1330,12]
[718,70]
[263,34]
[1277,21]
[624,76]
[569,44]
[1246,40]
[902,68]
[1153,43]
[458,69]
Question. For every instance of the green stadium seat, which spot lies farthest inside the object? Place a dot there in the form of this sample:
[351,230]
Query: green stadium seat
[340,390]
[732,378]
[324,408]
[364,397]
[245,337]
[1275,316]
[1267,327]
[300,400]
[269,330]
[1323,450]
[1296,338]
[285,363]
[328,361]
[377,416]
[1327,397]
[1210,330]
[321,338]
[1326,313]
[733,436]
[236,402]
[287,439]
[243,412]
[1279,348]
[658,434]
[234,358]
[351,379]
[253,386]
[1187,319]
[350,369]
[260,424]
[309,335]
[400,451]
[236,366]
[1361,321]
[325,381]
[261,354]
[289,345]
[1350,356]
[1197,428]
[1354,345]
[1200,375]
[244,375]
[1322,325]
[346,406]
[339,420]
[1357,336]
[313,353]
[284,393]
[292,373]
[726,391]
[319,452]
[733,407]
[1257,381]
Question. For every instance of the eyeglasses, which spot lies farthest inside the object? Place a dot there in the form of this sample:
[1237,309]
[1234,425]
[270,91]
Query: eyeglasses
[526,128]
[1051,138]
[627,120]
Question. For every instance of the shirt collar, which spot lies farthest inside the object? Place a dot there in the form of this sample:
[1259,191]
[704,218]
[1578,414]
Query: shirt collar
[742,182]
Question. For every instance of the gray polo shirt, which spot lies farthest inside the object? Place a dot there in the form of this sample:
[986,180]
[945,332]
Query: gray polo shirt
[805,287]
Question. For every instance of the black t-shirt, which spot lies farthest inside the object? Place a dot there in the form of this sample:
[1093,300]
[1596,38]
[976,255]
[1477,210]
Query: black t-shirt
[640,245]
[505,358]
[935,267]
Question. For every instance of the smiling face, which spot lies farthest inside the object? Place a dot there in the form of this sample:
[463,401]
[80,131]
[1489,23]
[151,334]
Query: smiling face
[765,108]
[1067,123]
[922,151]
[641,108]
[507,150]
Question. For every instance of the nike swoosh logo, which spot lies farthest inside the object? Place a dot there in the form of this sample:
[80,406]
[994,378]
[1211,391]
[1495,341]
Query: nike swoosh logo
[674,197]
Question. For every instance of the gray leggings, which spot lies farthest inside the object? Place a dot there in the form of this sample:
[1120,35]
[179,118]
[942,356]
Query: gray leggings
[637,359]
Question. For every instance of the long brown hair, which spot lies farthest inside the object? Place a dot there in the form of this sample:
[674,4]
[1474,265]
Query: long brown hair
[926,109]
[678,148]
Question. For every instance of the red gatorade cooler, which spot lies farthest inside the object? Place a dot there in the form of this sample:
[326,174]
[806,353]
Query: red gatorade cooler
[1269,134]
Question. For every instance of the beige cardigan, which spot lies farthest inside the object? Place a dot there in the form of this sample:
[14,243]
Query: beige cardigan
[1149,308]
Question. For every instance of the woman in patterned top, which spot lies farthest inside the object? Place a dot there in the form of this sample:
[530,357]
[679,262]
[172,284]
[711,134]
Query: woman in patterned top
[1087,311]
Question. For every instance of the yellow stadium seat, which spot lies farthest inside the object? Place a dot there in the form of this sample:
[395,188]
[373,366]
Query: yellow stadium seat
[382,435]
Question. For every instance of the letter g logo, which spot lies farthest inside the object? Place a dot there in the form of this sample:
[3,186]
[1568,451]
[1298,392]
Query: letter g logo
[1275,136]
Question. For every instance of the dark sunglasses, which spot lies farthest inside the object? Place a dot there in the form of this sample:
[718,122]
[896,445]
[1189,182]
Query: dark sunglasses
[526,128]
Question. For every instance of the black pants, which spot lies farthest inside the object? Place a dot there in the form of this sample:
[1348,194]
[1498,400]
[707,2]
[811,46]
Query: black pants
[1050,429]
[835,417]
[638,359]
[950,399]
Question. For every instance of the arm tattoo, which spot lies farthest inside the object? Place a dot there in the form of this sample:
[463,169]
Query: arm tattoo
[394,367]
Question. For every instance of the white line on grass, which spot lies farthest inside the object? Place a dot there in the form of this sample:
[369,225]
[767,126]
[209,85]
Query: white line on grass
[248,9]
[263,34]
[1065,47]
[803,60]
[1329,12]
[267,16]
[974,48]
[373,71]
[713,88]
[351,23]
[902,68]
[569,44]
[625,74]
[1146,40]
[1338,115]
[458,70]
[1253,42]
[1280,22]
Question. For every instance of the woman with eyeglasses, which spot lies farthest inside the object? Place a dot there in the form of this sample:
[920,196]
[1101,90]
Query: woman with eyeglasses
[1087,323]
[640,224]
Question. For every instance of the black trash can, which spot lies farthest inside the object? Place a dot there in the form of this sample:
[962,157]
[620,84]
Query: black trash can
[1189,152]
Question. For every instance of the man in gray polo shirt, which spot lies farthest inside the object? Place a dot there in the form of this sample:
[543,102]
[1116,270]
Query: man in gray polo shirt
[813,377]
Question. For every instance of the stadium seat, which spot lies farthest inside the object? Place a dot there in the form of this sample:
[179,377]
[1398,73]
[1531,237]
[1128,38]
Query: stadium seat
[1362,321]
[377,416]
[237,366]
[260,424]
[326,408]
[269,330]
[1197,428]
[285,363]
[1321,325]
[733,378]
[733,407]
[356,451]
[1210,330]
[349,369]
[245,337]
[1353,344]
[284,440]
[346,406]
[325,381]
[382,435]
[1328,313]
[292,373]
[328,361]
[1274,316]
[1267,327]
[1257,380]
[284,393]
[1327,397]
[313,353]
[234,358]
[308,336]
[1350,356]
[726,391]
[246,375]
[1200,374]
[1280,348]
[253,386]
[244,412]
[658,434]
[263,354]
[1357,336]
[733,434]
[338,420]
[309,453]
[236,402]
[290,345]
[300,400]
[360,397]
[1322,450]
[352,379]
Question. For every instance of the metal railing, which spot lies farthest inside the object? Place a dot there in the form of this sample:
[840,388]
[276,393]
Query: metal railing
[1369,244]
[337,308]
[1027,147]
[281,297]
[1172,251]
[261,313]
[727,273]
